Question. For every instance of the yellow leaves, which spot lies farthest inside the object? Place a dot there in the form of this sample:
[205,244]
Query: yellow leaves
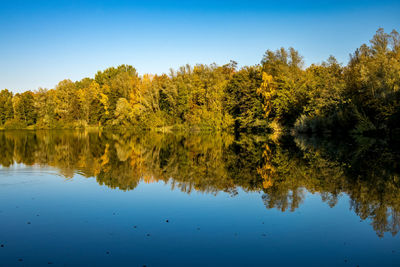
[267,171]
[266,90]
[266,80]
[105,159]
[149,93]
[104,101]
[146,80]
[136,157]
[267,183]
[149,179]
[94,88]
[124,113]
[137,94]
[81,95]
[134,98]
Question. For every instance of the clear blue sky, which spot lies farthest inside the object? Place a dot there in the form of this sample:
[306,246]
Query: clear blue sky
[43,42]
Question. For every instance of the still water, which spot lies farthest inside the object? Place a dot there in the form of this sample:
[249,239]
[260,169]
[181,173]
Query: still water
[77,198]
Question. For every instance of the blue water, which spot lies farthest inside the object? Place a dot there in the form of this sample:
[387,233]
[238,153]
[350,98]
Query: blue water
[77,198]
[77,222]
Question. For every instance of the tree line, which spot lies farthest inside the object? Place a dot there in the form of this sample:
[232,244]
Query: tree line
[279,93]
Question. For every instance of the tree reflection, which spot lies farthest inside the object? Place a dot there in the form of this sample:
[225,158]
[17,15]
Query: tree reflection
[366,170]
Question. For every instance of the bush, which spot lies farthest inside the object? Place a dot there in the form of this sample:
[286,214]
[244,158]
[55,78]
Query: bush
[14,124]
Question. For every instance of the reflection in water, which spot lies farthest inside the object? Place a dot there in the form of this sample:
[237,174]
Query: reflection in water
[367,171]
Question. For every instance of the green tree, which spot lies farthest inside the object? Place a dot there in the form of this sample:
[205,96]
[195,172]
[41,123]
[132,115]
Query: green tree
[243,102]
[6,106]
[67,102]
[373,79]
[24,108]
[286,93]
[45,104]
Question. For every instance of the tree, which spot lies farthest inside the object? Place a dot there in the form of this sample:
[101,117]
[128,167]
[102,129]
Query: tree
[67,102]
[283,86]
[116,83]
[373,79]
[24,108]
[242,100]
[45,105]
[6,106]
[124,114]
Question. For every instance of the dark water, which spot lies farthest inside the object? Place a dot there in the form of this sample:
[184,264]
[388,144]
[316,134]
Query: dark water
[70,198]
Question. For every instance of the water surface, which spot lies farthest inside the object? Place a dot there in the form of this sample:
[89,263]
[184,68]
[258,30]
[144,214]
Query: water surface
[72,198]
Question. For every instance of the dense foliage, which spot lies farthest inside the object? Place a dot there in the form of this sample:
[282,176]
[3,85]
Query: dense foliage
[360,98]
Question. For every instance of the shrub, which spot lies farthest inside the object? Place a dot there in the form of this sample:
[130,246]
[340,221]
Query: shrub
[14,124]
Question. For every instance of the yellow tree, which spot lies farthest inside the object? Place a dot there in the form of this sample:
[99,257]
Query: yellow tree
[267,90]
[267,170]
[86,97]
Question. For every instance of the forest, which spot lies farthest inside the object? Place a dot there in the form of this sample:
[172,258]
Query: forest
[279,94]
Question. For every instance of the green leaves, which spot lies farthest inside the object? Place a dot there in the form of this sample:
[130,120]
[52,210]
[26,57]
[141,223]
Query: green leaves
[361,97]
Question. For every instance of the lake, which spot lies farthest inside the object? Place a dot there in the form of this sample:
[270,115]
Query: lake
[89,198]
